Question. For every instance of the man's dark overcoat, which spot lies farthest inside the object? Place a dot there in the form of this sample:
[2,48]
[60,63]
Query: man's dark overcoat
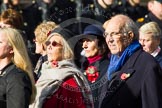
[140,87]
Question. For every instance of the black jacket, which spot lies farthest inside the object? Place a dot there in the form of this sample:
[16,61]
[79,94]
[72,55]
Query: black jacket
[148,18]
[133,12]
[102,65]
[15,88]
[142,89]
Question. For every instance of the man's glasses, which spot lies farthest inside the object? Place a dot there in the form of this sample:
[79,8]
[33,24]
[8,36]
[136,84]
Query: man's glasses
[54,43]
[112,34]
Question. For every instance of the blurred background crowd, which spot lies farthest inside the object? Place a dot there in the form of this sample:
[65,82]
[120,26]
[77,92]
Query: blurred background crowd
[35,11]
[58,32]
[73,15]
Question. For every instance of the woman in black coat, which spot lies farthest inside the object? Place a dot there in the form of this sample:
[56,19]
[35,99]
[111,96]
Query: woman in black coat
[17,85]
[93,57]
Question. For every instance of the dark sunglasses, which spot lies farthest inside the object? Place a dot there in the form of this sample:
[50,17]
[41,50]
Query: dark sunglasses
[54,43]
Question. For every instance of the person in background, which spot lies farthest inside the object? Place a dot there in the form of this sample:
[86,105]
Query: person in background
[94,61]
[100,10]
[30,13]
[61,84]
[45,7]
[155,13]
[132,8]
[133,74]
[41,32]
[57,11]
[149,38]
[12,18]
[17,85]
[9,4]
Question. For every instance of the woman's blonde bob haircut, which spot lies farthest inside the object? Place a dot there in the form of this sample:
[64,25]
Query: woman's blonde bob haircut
[20,56]
[151,28]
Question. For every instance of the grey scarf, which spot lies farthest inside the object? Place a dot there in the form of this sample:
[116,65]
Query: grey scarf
[51,79]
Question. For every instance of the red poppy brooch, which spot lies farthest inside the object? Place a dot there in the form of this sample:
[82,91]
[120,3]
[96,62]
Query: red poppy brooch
[124,76]
[54,64]
[92,73]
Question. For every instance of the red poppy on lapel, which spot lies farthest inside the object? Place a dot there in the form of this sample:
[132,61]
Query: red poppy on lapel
[92,73]
[124,76]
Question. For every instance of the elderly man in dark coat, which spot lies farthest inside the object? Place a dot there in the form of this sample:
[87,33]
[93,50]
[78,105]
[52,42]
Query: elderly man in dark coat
[134,77]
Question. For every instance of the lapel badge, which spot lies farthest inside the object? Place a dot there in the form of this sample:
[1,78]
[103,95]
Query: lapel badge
[124,76]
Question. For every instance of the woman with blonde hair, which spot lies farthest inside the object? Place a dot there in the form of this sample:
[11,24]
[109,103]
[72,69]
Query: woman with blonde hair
[41,32]
[16,77]
[11,18]
[149,38]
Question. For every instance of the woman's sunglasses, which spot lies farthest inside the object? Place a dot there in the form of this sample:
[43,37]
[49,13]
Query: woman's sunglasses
[54,43]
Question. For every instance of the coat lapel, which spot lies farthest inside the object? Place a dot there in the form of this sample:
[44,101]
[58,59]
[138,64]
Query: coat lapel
[119,78]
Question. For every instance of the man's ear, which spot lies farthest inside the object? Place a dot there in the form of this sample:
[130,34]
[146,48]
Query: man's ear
[150,5]
[130,35]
